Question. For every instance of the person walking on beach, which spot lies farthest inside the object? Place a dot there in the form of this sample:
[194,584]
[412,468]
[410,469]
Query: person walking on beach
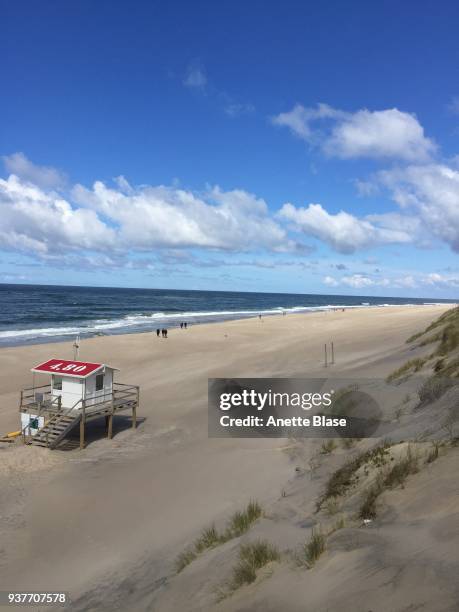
[184,325]
[165,333]
[157,333]
[181,325]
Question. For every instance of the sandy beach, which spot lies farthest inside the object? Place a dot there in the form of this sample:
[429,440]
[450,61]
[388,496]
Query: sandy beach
[106,523]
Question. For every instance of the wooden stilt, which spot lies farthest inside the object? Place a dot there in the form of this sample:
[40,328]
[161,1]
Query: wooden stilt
[110,420]
[134,410]
[332,353]
[82,425]
[325,349]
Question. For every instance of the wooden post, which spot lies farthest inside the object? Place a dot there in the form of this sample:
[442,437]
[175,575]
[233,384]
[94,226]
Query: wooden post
[22,399]
[134,410]
[332,353]
[325,347]
[82,424]
[110,420]
[59,403]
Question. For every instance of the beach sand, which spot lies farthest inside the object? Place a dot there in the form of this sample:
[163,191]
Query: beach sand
[106,523]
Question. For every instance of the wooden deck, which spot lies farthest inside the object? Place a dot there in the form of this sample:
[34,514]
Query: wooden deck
[59,421]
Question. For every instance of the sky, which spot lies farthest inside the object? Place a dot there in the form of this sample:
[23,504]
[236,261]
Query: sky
[296,147]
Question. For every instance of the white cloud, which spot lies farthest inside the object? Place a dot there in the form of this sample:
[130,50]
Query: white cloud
[43,176]
[406,281]
[343,232]
[431,192]
[359,281]
[387,133]
[362,281]
[126,219]
[41,222]
[441,280]
[162,216]
[330,281]
[299,120]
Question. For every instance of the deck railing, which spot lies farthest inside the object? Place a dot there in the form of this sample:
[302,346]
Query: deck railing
[121,394]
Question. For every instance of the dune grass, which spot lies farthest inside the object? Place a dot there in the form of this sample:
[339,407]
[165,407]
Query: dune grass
[210,537]
[252,557]
[446,333]
[184,559]
[450,316]
[314,548]
[433,388]
[449,340]
[413,365]
[240,522]
[433,453]
[396,476]
[344,477]
[328,446]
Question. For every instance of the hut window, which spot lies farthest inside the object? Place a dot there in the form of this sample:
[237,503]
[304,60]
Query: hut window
[99,382]
[57,383]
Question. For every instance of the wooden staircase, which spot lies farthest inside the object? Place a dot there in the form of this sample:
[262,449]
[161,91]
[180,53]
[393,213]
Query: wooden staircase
[55,430]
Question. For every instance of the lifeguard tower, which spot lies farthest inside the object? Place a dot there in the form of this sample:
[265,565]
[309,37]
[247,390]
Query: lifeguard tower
[77,392]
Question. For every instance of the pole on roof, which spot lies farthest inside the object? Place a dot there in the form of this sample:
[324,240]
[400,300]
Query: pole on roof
[76,348]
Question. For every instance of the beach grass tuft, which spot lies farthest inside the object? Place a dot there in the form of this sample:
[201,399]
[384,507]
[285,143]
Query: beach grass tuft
[328,446]
[314,548]
[252,557]
[368,506]
[240,522]
[208,538]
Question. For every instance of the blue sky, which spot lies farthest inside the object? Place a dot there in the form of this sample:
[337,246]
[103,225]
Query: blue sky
[231,145]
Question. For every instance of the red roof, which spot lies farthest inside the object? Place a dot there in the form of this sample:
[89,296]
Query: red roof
[79,369]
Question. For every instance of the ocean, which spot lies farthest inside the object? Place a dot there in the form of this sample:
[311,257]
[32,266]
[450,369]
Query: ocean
[31,314]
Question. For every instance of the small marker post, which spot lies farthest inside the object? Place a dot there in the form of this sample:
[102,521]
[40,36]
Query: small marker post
[325,349]
[332,353]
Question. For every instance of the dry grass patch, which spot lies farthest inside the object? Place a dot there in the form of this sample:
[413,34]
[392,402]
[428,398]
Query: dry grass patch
[210,537]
